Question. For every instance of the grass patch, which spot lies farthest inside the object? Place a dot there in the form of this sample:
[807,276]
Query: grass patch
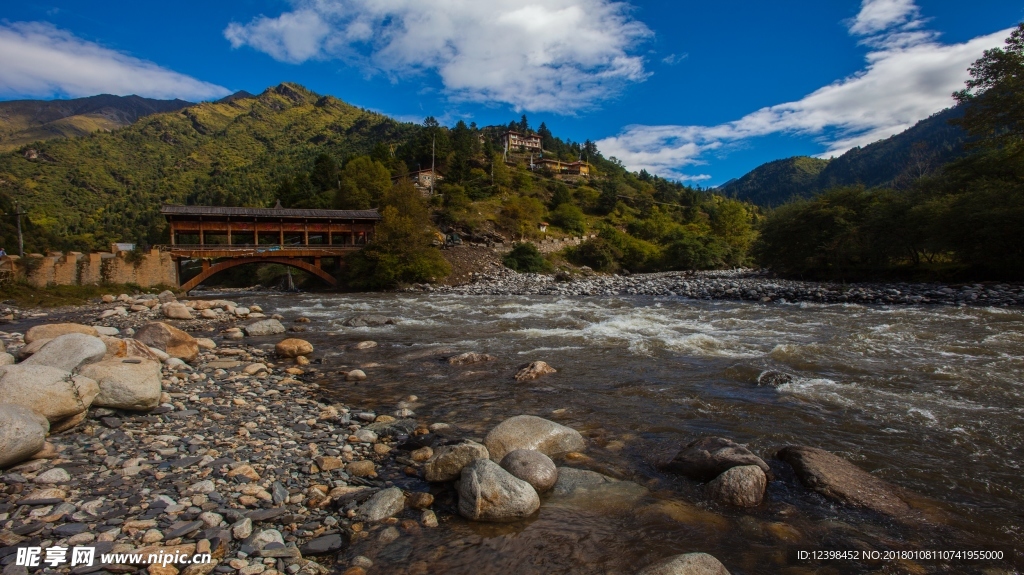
[26,296]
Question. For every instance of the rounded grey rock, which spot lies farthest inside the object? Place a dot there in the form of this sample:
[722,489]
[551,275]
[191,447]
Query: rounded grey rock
[532,467]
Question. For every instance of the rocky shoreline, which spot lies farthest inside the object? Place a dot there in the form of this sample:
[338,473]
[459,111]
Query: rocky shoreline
[142,439]
[733,285]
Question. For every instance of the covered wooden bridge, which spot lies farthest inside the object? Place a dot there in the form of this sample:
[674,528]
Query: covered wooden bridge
[225,237]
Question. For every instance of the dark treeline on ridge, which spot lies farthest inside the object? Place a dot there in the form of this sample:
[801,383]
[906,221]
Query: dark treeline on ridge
[963,221]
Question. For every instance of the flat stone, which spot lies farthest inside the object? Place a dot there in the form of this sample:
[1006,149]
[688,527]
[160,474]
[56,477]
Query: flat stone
[323,545]
[267,514]
[842,481]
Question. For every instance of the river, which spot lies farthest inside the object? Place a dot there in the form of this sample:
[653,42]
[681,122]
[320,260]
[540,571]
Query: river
[930,398]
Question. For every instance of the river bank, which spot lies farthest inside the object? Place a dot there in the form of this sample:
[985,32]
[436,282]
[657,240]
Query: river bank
[639,378]
[734,285]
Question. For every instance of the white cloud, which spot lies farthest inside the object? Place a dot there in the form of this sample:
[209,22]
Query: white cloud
[908,76]
[560,56]
[879,15]
[38,59]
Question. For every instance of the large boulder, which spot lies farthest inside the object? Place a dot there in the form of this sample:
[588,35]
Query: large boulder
[532,432]
[293,347]
[126,385]
[532,467]
[687,564]
[69,352]
[742,486]
[177,311]
[368,320]
[53,393]
[22,434]
[120,348]
[7,359]
[169,339]
[447,462]
[709,457]
[50,331]
[264,327]
[842,481]
[489,493]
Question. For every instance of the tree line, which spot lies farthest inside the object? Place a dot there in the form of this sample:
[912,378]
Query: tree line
[963,221]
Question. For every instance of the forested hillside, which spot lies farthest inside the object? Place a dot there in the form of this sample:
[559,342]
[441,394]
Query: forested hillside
[26,121]
[896,162]
[308,150]
[965,220]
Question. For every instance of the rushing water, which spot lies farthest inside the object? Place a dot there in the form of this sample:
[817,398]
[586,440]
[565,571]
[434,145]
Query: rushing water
[928,398]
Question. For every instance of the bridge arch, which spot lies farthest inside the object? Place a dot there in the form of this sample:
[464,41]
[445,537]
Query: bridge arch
[230,263]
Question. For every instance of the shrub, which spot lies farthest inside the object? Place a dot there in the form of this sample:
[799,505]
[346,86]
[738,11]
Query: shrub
[525,258]
[597,254]
[569,218]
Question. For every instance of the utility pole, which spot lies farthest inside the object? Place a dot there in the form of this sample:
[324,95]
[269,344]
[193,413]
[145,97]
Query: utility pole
[21,241]
[433,174]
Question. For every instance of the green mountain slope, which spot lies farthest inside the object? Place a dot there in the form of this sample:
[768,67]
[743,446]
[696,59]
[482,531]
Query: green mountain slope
[893,162]
[25,121]
[107,187]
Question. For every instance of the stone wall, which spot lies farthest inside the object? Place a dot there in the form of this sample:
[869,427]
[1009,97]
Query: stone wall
[547,245]
[154,268]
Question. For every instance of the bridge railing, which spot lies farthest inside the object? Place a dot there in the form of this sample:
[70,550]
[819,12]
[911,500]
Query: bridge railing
[257,247]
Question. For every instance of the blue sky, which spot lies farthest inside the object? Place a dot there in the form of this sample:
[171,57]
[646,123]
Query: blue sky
[700,92]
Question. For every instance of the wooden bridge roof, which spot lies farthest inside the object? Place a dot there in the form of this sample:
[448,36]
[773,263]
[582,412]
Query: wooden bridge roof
[268,213]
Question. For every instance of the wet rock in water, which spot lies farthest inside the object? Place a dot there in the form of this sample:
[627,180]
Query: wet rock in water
[534,370]
[532,467]
[369,320]
[385,503]
[22,434]
[419,500]
[772,378]
[365,345]
[49,391]
[132,386]
[489,493]
[742,486]
[687,564]
[177,311]
[594,492]
[470,358]
[709,457]
[448,461]
[52,330]
[532,432]
[264,327]
[355,375]
[169,339]
[293,347]
[69,352]
[842,481]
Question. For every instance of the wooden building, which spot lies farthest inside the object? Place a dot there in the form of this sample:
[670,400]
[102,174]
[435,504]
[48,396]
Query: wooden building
[517,141]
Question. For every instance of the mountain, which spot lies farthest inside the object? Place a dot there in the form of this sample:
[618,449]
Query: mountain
[25,121]
[893,162]
[105,187]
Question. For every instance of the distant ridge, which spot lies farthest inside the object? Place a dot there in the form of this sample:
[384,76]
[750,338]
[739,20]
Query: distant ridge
[239,95]
[26,121]
[893,162]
